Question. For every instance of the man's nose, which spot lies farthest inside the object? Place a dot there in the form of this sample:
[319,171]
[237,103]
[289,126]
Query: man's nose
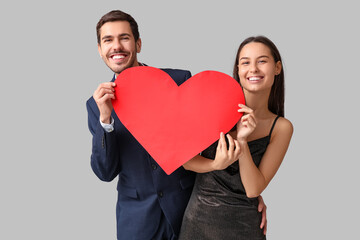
[117,46]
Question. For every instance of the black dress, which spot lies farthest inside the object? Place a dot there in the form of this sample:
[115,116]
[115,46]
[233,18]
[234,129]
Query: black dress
[218,207]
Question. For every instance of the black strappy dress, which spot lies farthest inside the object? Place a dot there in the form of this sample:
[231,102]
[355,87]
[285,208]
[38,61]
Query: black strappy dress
[218,207]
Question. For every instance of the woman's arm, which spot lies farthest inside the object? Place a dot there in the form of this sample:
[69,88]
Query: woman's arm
[254,179]
[223,158]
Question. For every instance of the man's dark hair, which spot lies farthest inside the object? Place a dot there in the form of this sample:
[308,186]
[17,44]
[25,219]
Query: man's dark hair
[117,15]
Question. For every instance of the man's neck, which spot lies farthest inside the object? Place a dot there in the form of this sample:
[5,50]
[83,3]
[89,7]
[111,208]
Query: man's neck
[135,65]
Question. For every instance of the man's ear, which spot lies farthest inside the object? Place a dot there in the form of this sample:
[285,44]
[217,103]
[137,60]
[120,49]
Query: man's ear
[138,45]
[99,49]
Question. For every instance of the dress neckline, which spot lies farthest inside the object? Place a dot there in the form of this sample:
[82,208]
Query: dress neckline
[268,136]
[258,139]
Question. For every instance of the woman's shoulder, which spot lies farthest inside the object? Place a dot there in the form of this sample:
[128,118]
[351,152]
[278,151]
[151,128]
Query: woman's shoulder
[283,127]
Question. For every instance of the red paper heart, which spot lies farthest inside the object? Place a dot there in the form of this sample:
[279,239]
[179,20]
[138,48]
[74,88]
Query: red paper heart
[175,123]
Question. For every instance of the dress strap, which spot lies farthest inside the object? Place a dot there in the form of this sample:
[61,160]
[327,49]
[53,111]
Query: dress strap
[272,127]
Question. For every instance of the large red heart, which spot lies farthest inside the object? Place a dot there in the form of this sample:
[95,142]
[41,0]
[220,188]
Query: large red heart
[175,123]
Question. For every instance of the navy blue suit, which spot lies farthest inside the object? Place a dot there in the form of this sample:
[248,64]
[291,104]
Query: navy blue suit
[147,196]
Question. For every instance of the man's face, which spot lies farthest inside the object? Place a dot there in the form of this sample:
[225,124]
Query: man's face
[117,46]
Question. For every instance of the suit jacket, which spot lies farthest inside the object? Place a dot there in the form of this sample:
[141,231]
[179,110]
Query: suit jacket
[144,189]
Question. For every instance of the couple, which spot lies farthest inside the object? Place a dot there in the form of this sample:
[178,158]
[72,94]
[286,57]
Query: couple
[225,201]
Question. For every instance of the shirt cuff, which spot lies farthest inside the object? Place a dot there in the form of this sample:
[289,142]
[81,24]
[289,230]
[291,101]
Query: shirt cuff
[108,127]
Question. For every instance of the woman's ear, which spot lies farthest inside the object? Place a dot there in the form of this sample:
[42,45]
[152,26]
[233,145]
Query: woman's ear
[278,68]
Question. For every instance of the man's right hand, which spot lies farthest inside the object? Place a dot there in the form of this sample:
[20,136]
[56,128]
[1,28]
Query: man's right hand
[102,96]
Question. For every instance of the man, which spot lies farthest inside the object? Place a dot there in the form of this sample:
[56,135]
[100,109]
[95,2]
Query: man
[150,202]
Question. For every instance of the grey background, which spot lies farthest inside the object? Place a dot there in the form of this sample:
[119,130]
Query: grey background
[50,66]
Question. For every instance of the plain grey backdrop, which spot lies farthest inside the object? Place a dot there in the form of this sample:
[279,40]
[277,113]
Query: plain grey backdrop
[50,67]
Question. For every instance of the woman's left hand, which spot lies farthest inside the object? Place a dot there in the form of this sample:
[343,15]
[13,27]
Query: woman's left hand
[247,123]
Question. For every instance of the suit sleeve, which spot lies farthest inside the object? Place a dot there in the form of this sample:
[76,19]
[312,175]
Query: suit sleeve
[105,161]
[187,75]
[179,76]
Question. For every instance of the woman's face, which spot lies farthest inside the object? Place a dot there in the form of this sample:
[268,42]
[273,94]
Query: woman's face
[257,68]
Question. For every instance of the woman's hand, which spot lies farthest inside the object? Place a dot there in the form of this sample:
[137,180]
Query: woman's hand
[225,157]
[247,123]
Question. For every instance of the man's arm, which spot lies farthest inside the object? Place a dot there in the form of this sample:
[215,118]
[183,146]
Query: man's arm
[105,160]
[262,208]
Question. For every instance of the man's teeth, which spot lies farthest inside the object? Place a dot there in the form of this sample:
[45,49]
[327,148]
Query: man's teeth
[254,78]
[118,57]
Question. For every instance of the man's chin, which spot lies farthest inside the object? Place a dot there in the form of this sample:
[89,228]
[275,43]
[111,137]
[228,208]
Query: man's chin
[119,69]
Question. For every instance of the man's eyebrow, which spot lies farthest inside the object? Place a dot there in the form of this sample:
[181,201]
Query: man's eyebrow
[110,36]
[106,37]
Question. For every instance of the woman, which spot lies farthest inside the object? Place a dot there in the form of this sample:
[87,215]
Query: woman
[224,201]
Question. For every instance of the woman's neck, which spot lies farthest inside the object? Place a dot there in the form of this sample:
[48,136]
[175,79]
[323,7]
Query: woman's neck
[258,102]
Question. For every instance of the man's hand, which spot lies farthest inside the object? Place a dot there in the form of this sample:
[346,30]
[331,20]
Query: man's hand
[102,96]
[262,209]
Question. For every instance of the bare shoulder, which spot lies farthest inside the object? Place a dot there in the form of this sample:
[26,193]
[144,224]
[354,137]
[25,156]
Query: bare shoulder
[285,124]
[283,128]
